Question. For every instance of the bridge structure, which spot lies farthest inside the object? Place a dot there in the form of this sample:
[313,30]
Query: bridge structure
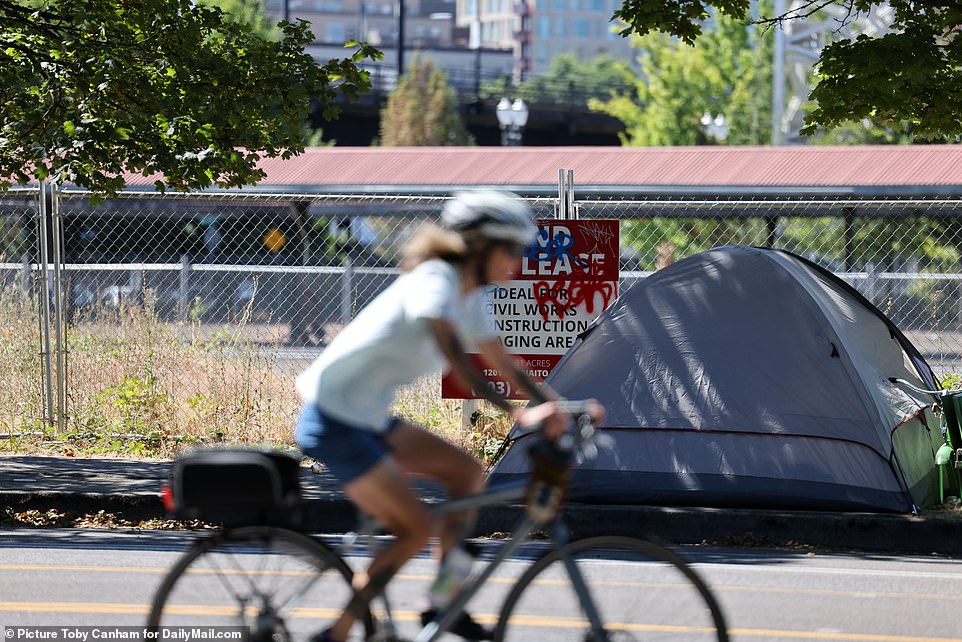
[558,115]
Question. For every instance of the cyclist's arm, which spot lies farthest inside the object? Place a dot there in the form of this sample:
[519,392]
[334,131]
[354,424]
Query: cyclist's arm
[495,354]
[541,393]
[453,350]
[545,415]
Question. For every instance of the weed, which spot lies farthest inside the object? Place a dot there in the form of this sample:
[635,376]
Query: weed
[139,386]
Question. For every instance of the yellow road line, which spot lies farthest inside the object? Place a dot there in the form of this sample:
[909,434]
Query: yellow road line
[546,621]
[73,607]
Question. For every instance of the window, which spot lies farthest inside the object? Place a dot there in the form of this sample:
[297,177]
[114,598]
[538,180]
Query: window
[540,53]
[581,28]
[560,27]
[560,5]
[334,32]
[542,27]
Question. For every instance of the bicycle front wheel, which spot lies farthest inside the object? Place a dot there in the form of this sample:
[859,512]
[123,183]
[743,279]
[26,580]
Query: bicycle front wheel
[277,584]
[631,589]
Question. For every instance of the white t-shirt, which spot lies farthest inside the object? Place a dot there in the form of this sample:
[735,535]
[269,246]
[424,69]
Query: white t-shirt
[390,344]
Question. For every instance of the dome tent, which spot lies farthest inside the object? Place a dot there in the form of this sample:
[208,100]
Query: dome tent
[749,377]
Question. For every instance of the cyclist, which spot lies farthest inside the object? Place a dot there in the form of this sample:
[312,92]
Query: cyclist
[419,324]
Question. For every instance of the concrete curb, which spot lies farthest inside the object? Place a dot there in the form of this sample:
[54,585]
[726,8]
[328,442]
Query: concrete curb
[878,533]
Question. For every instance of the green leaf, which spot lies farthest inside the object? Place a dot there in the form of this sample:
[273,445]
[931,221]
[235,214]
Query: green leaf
[162,88]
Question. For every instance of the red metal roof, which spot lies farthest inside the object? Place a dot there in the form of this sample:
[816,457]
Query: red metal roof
[759,167]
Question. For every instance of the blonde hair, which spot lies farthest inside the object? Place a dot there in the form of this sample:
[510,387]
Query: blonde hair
[433,242]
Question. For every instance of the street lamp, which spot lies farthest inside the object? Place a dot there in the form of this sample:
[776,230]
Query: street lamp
[715,127]
[399,24]
[512,117]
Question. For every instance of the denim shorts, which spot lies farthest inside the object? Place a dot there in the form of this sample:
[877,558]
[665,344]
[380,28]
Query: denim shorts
[348,451]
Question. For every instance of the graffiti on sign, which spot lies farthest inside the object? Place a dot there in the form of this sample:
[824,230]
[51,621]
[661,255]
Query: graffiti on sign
[564,279]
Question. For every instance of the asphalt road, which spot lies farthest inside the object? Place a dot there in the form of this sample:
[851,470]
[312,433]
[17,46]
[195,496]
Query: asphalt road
[106,578]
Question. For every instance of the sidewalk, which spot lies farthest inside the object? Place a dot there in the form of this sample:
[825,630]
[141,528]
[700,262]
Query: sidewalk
[132,489]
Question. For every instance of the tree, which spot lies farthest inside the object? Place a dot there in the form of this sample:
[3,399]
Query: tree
[422,110]
[727,71]
[166,88]
[911,74]
[249,12]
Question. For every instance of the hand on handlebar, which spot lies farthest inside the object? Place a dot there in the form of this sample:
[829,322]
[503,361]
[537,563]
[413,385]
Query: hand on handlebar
[553,416]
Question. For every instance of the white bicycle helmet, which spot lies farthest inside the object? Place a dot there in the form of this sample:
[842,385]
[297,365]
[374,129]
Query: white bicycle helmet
[492,215]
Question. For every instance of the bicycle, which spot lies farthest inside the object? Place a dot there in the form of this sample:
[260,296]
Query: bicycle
[248,564]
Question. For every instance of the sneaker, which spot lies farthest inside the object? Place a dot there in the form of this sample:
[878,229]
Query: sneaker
[323,636]
[464,626]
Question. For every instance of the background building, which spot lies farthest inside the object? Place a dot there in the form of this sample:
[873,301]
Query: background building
[484,32]
[538,30]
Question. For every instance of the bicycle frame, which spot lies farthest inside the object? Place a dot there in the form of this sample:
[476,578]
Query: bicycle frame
[524,527]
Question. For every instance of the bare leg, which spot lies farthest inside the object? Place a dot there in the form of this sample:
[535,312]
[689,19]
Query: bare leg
[385,493]
[420,452]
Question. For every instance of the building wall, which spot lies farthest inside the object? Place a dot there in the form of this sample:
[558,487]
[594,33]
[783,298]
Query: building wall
[539,30]
[534,31]
[579,27]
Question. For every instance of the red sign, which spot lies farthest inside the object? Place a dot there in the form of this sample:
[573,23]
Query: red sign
[566,278]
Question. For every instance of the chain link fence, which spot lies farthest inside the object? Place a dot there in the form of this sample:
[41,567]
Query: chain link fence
[186,316]
[903,255]
[21,386]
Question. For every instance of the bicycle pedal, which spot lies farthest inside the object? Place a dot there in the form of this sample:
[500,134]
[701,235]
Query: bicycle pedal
[464,626]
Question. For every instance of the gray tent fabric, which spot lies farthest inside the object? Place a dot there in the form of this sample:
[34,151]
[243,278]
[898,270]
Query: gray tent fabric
[750,377]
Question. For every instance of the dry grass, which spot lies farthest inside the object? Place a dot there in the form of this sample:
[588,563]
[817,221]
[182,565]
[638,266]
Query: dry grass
[421,403]
[21,399]
[138,386]
[142,387]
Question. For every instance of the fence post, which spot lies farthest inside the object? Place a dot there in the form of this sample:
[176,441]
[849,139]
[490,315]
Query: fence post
[184,292]
[560,208]
[571,210]
[347,289]
[771,222]
[46,357]
[565,207]
[299,332]
[25,274]
[871,284]
[136,285]
[849,230]
[60,310]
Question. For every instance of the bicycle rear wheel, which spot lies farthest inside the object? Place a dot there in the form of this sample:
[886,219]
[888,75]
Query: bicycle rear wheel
[278,584]
[639,590]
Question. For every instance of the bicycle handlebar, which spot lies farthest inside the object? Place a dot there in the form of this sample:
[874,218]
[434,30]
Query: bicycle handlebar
[582,439]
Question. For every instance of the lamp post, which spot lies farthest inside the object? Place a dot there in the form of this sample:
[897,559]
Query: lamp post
[474,42]
[512,117]
[715,127]
[399,20]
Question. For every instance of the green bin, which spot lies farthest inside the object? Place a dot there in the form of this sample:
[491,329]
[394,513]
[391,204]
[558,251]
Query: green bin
[948,456]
